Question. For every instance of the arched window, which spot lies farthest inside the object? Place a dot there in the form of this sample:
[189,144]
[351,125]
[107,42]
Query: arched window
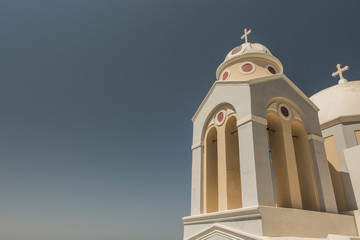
[278,161]
[211,171]
[221,163]
[292,165]
[304,166]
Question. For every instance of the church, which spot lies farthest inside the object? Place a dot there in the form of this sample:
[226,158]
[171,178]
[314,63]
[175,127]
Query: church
[268,162]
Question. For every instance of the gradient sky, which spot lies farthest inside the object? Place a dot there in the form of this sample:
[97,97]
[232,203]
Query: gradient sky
[96,101]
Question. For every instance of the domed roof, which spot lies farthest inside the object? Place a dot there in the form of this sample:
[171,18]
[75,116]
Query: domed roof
[247,50]
[341,100]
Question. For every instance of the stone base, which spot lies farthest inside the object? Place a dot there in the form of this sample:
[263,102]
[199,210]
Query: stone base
[264,222]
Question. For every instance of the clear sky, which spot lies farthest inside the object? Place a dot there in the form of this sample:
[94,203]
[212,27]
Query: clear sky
[96,101]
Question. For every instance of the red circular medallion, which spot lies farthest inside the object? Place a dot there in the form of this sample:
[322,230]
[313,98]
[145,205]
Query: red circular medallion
[225,75]
[247,67]
[220,117]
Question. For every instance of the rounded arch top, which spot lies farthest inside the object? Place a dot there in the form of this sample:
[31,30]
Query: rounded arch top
[218,117]
[286,109]
[248,54]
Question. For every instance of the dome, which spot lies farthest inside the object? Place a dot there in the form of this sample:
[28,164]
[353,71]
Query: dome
[245,51]
[247,48]
[341,100]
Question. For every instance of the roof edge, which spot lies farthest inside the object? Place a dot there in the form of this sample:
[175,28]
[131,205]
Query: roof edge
[255,81]
[338,120]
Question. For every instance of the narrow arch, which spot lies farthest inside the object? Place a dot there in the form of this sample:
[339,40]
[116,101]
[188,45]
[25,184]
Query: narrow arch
[305,167]
[211,171]
[232,165]
[290,103]
[209,120]
[278,160]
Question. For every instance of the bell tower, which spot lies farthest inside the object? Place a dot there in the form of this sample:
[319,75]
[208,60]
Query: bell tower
[258,154]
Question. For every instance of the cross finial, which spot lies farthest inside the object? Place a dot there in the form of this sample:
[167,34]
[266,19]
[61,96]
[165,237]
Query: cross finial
[340,73]
[246,33]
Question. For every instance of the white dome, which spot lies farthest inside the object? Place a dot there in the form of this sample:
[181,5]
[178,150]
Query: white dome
[248,50]
[341,100]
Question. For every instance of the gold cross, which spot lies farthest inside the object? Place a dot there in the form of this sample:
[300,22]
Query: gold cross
[340,71]
[246,33]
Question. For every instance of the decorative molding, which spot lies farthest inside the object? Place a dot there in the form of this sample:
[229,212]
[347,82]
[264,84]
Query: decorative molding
[212,122]
[341,119]
[296,115]
[289,110]
[272,107]
[241,213]
[220,230]
[232,82]
[197,145]
[229,111]
[219,123]
[253,118]
[316,138]
[237,50]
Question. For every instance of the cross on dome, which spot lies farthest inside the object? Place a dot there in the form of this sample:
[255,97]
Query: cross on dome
[246,33]
[340,73]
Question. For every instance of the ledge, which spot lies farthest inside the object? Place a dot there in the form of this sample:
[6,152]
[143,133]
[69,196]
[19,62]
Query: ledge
[280,222]
[196,145]
[253,118]
[341,119]
[316,138]
[235,214]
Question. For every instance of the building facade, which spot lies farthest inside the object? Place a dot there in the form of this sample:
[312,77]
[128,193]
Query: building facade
[259,164]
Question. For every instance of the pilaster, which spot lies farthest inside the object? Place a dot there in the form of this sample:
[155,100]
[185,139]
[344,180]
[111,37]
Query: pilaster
[222,183]
[197,150]
[322,174]
[293,176]
[256,180]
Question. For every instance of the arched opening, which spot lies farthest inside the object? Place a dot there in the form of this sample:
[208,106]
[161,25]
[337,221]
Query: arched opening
[232,165]
[304,167]
[278,161]
[211,171]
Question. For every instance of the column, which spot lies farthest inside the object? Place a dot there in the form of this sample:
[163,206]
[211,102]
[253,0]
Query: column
[322,174]
[352,160]
[222,183]
[294,185]
[196,193]
[256,181]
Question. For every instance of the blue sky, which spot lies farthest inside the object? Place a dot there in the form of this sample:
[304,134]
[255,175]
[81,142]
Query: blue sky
[96,101]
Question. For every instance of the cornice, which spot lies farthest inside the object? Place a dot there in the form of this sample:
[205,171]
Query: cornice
[241,213]
[226,232]
[253,118]
[338,120]
[316,138]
